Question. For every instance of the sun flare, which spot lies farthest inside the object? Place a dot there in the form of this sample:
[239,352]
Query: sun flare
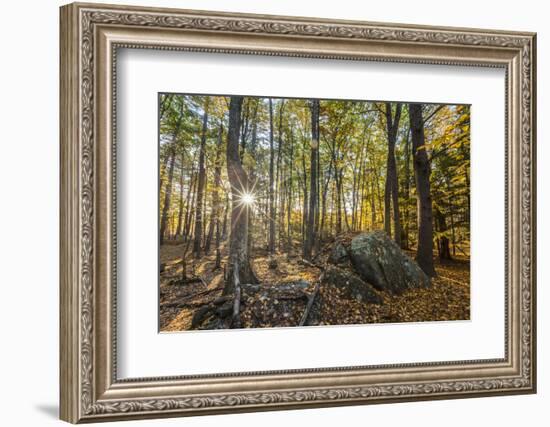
[247,199]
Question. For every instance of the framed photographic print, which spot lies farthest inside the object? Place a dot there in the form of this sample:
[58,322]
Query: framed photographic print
[266,212]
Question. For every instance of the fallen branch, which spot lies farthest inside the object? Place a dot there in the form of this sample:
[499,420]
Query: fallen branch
[187,281]
[311,300]
[312,264]
[439,276]
[181,304]
[461,250]
[203,282]
[190,298]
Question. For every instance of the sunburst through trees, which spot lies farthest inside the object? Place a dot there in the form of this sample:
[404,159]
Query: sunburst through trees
[300,212]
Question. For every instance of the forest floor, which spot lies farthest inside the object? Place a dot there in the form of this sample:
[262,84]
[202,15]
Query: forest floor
[447,299]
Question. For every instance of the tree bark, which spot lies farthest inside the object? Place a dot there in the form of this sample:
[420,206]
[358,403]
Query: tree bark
[310,230]
[424,252]
[238,241]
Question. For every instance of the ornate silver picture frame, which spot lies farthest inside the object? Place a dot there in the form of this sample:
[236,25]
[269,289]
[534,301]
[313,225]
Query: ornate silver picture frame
[91,390]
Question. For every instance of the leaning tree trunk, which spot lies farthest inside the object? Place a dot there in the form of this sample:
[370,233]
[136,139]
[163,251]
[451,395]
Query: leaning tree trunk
[424,253]
[310,229]
[238,179]
[200,190]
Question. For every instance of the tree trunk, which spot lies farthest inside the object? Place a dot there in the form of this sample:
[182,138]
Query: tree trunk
[238,179]
[277,213]
[407,188]
[424,252]
[372,204]
[180,208]
[324,207]
[225,214]
[167,195]
[190,205]
[443,241]
[168,192]
[252,175]
[271,214]
[310,230]
[215,194]
[290,205]
[200,190]
[392,126]
[305,199]
[338,178]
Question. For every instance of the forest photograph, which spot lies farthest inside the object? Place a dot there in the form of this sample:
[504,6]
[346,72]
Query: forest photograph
[291,212]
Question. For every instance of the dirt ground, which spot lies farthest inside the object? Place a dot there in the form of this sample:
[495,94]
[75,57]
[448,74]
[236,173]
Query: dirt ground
[447,299]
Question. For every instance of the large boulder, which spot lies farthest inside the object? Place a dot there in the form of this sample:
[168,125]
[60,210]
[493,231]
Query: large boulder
[381,262]
[339,254]
[351,285]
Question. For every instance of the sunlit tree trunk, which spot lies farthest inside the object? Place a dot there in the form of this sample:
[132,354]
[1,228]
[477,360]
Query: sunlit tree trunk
[238,241]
